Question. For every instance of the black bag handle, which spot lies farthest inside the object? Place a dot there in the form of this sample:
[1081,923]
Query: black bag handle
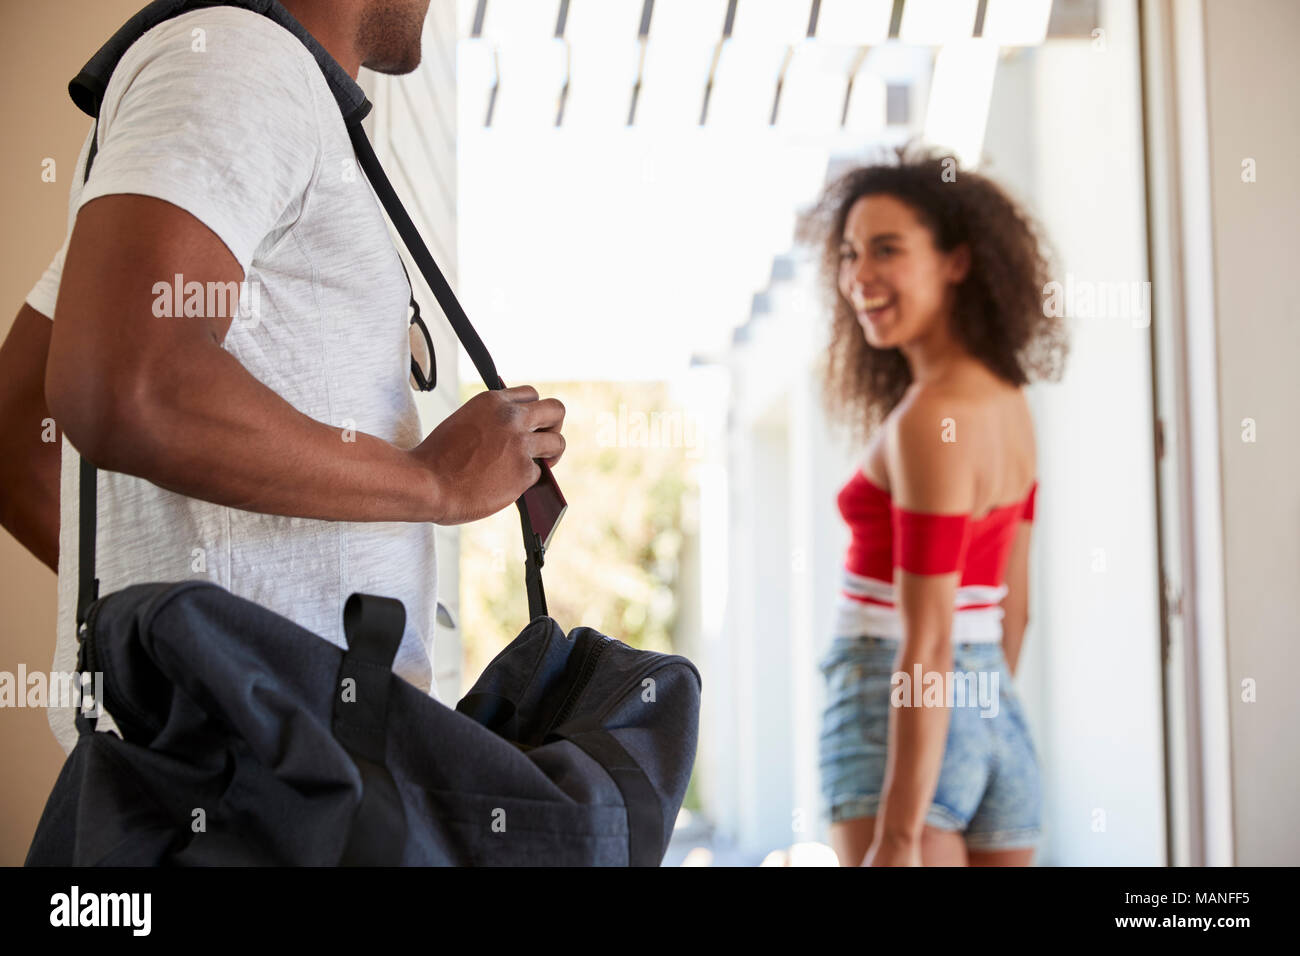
[374,627]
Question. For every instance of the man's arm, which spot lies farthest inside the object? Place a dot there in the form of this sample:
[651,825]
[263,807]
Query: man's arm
[29,443]
[161,399]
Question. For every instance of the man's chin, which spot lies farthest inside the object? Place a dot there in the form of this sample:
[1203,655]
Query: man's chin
[399,68]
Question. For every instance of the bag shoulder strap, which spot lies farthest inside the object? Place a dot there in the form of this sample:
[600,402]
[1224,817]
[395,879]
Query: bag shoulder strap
[87,91]
[87,498]
[89,85]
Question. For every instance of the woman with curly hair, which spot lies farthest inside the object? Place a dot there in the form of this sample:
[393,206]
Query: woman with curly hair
[936,279]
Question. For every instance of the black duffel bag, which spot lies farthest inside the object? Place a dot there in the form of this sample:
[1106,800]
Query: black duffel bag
[246,739]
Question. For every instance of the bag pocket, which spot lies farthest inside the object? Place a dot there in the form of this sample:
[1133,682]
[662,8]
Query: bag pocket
[490,830]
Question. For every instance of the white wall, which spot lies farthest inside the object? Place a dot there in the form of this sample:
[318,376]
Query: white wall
[1091,669]
[1253,83]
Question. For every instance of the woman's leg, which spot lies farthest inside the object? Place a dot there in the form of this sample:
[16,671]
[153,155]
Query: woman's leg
[942,848]
[850,839]
[1019,857]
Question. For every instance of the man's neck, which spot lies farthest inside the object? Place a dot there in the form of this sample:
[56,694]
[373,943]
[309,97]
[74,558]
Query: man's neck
[334,25]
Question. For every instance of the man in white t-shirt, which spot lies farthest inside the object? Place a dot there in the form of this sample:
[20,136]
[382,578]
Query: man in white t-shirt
[273,449]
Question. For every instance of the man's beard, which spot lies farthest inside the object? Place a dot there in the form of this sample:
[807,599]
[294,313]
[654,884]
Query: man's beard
[389,35]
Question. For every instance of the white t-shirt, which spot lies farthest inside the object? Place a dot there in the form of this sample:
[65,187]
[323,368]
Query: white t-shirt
[241,131]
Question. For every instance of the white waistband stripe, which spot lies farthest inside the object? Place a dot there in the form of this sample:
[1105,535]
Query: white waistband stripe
[971,623]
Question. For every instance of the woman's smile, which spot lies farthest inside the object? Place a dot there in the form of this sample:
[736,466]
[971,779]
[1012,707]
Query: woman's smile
[872,309]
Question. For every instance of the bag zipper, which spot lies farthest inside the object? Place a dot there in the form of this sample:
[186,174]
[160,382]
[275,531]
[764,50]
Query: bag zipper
[111,702]
[85,637]
[88,662]
[589,662]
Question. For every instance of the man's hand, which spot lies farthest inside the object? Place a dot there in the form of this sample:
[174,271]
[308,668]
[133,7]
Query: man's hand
[481,457]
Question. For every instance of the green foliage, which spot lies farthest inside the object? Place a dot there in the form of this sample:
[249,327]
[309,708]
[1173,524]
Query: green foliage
[614,560]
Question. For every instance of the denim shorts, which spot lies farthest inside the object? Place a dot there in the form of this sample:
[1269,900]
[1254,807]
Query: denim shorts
[989,787]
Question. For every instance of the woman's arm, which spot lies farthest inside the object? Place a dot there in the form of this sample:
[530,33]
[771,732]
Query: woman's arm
[931,476]
[1015,605]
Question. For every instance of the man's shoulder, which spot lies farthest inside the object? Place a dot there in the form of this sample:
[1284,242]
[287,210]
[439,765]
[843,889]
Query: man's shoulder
[221,39]
[224,72]
[200,25]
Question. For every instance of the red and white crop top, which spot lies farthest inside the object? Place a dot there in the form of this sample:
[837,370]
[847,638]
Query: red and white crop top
[885,537]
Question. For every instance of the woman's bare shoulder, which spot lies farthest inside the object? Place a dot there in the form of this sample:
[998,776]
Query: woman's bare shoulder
[929,456]
[943,437]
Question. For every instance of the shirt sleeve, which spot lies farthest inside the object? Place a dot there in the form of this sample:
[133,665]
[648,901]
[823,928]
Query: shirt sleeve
[927,543]
[1028,513]
[45,293]
[213,112]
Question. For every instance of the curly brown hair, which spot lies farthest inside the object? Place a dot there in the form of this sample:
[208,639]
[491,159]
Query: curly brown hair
[998,315]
